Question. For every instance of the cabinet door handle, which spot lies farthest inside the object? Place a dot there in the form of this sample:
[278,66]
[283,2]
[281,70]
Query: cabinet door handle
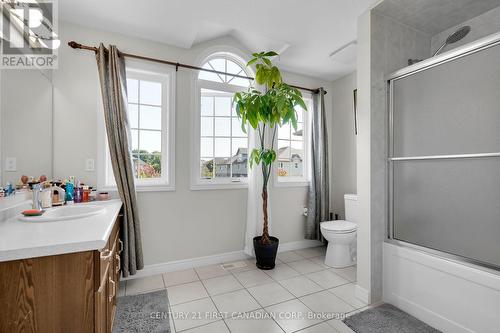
[113,284]
[106,254]
[121,245]
[118,264]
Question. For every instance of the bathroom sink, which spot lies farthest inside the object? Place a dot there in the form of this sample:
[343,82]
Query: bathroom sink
[65,213]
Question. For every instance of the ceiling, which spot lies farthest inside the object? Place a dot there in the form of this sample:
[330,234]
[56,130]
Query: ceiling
[304,32]
[434,16]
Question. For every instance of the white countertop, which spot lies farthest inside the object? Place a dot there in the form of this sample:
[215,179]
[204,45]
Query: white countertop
[21,240]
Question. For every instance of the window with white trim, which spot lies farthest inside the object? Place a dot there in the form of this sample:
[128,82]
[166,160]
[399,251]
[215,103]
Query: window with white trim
[222,146]
[292,148]
[150,97]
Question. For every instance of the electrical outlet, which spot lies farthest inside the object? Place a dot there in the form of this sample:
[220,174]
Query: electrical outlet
[306,210]
[10,164]
[89,164]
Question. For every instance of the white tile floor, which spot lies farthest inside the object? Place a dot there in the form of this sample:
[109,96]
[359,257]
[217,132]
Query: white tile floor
[300,295]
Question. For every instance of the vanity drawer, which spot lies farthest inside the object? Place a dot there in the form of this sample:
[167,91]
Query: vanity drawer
[107,279]
[104,259]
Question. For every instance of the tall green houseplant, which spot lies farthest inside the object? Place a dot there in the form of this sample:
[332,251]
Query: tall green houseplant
[266,111]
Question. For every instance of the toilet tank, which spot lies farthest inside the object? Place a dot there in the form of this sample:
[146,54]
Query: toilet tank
[351,207]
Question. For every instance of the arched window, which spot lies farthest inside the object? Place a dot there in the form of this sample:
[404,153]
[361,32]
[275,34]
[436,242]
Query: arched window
[228,63]
[222,145]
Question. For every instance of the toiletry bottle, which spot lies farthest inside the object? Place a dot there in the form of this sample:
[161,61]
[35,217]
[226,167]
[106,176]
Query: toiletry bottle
[46,196]
[69,193]
[77,198]
[55,196]
[85,194]
[9,189]
[93,194]
[58,194]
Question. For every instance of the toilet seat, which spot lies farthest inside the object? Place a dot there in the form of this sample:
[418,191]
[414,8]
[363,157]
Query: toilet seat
[339,226]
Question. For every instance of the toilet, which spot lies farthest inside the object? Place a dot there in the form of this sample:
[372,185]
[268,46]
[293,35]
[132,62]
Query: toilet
[341,235]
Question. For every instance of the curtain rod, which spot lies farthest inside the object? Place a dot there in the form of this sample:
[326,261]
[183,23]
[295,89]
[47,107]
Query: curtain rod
[76,45]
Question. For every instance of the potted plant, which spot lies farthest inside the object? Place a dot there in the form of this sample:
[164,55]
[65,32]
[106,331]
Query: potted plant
[265,111]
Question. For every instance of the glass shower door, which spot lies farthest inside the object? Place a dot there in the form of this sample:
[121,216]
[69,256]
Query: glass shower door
[444,158]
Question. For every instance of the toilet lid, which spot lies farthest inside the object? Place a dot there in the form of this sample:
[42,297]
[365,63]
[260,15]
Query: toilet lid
[339,226]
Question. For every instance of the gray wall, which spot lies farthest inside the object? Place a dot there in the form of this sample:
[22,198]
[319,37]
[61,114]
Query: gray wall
[344,142]
[363,157]
[388,44]
[174,224]
[482,26]
[393,44]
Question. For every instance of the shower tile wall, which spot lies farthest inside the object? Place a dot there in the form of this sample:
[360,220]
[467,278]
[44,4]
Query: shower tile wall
[392,44]
[481,25]
[434,16]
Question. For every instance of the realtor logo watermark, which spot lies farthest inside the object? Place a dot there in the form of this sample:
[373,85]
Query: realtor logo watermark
[28,32]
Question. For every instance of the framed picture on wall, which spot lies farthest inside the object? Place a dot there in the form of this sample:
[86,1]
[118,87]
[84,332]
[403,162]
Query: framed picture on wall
[355,109]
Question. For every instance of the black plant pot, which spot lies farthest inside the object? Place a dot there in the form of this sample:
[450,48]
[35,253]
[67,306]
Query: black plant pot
[265,254]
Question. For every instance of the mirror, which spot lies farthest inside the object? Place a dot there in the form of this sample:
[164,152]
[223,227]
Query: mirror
[26,125]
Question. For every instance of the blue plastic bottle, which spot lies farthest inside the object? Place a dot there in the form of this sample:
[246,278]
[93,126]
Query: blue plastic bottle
[70,188]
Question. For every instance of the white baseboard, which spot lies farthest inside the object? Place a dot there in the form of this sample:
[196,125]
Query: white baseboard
[178,265]
[302,244]
[362,294]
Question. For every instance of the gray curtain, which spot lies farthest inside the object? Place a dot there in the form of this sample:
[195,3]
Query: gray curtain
[318,196]
[114,97]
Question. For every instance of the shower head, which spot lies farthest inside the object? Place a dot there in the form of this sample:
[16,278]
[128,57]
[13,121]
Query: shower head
[458,35]
[455,37]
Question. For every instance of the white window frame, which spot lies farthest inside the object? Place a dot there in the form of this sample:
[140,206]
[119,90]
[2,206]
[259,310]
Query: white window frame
[305,179]
[152,72]
[198,183]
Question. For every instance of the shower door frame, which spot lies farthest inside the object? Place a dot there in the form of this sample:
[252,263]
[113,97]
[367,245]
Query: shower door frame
[462,51]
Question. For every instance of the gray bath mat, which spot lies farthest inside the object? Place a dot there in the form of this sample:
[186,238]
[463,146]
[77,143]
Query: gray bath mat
[387,318]
[142,313]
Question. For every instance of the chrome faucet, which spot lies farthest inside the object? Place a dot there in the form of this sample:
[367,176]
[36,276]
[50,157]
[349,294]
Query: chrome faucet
[37,200]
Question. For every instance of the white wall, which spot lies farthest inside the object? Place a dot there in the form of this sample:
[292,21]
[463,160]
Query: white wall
[175,225]
[481,25]
[344,142]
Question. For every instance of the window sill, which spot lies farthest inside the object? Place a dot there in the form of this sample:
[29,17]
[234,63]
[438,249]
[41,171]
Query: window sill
[219,186]
[143,188]
[291,183]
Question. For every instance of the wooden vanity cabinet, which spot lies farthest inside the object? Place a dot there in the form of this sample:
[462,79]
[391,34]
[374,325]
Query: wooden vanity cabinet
[108,263]
[73,292]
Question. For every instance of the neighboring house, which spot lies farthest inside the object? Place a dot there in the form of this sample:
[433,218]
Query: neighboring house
[223,165]
[238,163]
[290,163]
